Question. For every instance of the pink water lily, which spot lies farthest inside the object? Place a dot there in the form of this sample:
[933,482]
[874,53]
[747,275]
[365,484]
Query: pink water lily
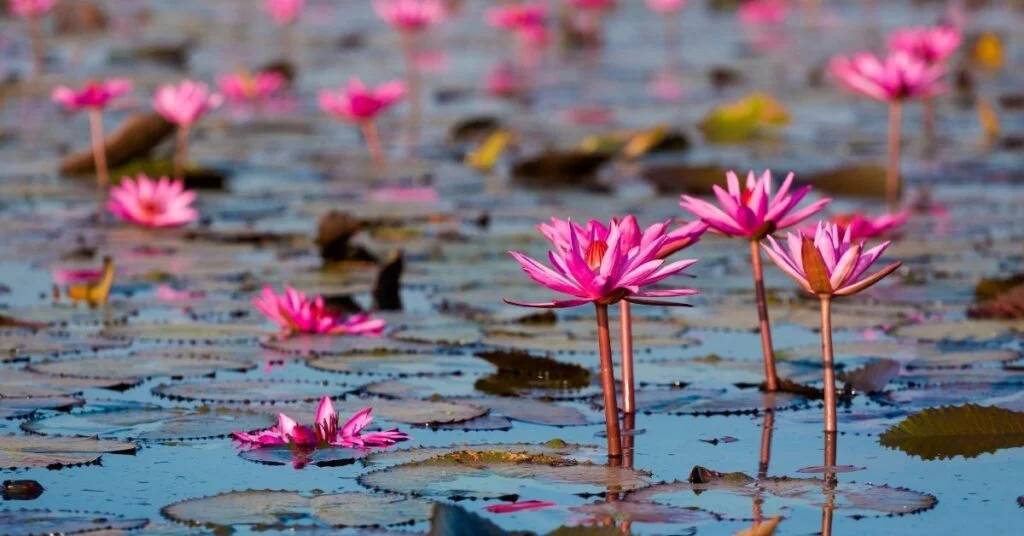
[243,87]
[593,4]
[30,8]
[284,12]
[558,233]
[830,263]
[92,95]
[514,17]
[606,270]
[325,432]
[296,313]
[666,6]
[63,276]
[519,506]
[752,211]
[410,15]
[758,12]
[861,226]
[504,81]
[186,102]
[357,102]
[930,44]
[898,76]
[152,203]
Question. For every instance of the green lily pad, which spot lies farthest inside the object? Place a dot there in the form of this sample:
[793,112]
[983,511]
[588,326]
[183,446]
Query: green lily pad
[400,364]
[21,383]
[153,424]
[249,391]
[25,452]
[196,333]
[960,331]
[969,431]
[329,345]
[32,522]
[700,401]
[20,344]
[554,447]
[15,408]
[531,411]
[286,510]
[140,366]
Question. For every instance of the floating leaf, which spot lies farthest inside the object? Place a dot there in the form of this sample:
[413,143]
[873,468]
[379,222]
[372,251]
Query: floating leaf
[195,333]
[22,452]
[249,391]
[484,157]
[554,448]
[283,510]
[969,431]
[637,512]
[872,377]
[299,458]
[153,424]
[867,180]
[13,408]
[739,121]
[960,331]
[486,423]
[531,411]
[699,401]
[520,373]
[22,344]
[26,522]
[21,383]
[313,345]
[401,364]
[141,366]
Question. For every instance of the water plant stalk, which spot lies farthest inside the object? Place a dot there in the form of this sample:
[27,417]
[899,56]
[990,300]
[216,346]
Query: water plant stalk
[99,150]
[628,439]
[892,174]
[181,152]
[611,409]
[764,324]
[829,364]
[372,139]
[928,121]
[412,81]
[626,334]
[35,35]
[767,429]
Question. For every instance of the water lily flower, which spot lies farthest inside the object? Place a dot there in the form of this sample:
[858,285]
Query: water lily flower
[900,76]
[243,87]
[753,213]
[504,81]
[861,226]
[183,105]
[519,506]
[30,8]
[285,12]
[152,203]
[324,432]
[410,15]
[32,11]
[357,103]
[665,7]
[93,97]
[759,12]
[528,21]
[828,265]
[593,4]
[931,44]
[296,313]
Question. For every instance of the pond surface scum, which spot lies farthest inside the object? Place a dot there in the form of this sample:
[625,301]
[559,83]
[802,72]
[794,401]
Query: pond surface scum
[132,351]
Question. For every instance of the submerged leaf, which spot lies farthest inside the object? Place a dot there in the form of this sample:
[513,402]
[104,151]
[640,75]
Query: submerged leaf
[969,431]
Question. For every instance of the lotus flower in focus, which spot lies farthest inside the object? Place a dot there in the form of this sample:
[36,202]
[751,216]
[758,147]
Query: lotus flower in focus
[931,45]
[666,6]
[899,76]
[410,15]
[185,103]
[861,226]
[243,87]
[152,203]
[93,95]
[606,270]
[358,103]
[324,432]
[558,233]
[752,211]
[30,8]
[296,313]
[830,264]
[285,12]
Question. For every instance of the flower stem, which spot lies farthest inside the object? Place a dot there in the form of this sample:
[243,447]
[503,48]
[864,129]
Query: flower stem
[928,120]
[829,364]
[99,148]
[767,428]
[892,175]
[771,377]
[181,152]
[373,142]
[412,80]
[626,334]
[628,439]
[671,40]
[611,409]
[829,487]
[35,35]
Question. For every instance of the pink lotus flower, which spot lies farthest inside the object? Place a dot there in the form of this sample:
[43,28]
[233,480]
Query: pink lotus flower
[758,12]
[324,432]
[559,233]
[830,265]
[358,103]
[150,203]
[503,81]
[95,95]
[666,6]
[524,19]
[532,504]
[404,194]
[185,103]
[69,277]
[606,270]
[900,76]
[752,212]
[296,313]
[410,15]
[593,4]
[243,87]
[30,8]
[285,12]
[929,44]
[861,226]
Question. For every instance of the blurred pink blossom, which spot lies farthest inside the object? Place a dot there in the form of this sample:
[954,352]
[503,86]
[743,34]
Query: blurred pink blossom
[185,103]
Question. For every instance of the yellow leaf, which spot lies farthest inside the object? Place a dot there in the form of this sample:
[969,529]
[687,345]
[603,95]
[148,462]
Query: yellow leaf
[738,121]
[644,141]
[988,51]
[484,157]
[94,292]
[989,121]
[766,528]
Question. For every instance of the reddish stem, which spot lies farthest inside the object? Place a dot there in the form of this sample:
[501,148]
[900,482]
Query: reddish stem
[373,142]
[181,152]
[35,35]
[892,175]
[767,429]
[829,364]
[628,439]
[412,80]
[626,334]
[611,409]
[99,149]
[771,377]
[928,121]
[830,484]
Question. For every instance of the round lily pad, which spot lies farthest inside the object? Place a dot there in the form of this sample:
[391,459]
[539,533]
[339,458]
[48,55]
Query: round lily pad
[455,335]
[22,344]
[482,473]
[960,331]
[22,452]
[286,510]
[486,423]
[21,383]
[153,424]
[554,447]
[193,333]
[637,512]
[249,391]
[531,411]
[13,408]
[714,370]
[416,412]
[140,366]
[325,345]
[32,522]
[401,364]
[299,458]
[700,401]
[412,388]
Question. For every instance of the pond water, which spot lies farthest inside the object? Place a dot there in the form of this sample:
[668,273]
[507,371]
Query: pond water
[123,412]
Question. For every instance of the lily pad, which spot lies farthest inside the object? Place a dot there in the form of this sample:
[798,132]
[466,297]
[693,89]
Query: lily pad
[531,411]
[960,331]
[249,391]
[23,452]
[554,447]
[322,345]
[401,364]
[26,522]
[21,383]
[638,512]
[13,408]
[299,458]
[714,370]
[872,377]
[285,510]
[969,431]
[700,401]
[196,333]
[22,344]
[140,366]
[153,424]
